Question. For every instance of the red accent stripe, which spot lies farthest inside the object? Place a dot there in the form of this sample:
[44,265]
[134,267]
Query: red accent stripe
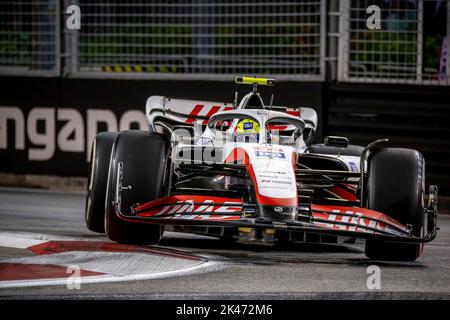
[277,127]
[194,113]
[294,160]
[343,193]
[184,198]
[350,187]
[212,111]
[18,271]
[237,155]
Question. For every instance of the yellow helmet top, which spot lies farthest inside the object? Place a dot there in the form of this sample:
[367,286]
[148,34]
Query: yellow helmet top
[247,126]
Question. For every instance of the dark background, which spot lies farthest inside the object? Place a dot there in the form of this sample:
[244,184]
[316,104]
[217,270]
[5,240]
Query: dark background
[411,116]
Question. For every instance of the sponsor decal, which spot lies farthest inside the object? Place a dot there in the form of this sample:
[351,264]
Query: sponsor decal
[276,181]
[267,176]
[248,125]
[44,131]
[358,219]
[206,141]
[280,182]
[193,209]
[273,172]
[353,166]
[270,154]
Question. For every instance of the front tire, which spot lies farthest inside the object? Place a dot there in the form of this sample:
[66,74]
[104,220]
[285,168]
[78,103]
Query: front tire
[396,188]
[97,181]
[145,159]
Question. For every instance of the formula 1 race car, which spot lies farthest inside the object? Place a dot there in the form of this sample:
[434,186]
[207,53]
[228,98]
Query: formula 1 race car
[251,172]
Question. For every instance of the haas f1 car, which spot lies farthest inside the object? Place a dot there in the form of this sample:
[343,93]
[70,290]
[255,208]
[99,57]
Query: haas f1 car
[250,171]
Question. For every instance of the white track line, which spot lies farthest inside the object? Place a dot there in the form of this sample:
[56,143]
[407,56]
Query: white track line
[202,268]
[7,238]
[18,243]
[23,240]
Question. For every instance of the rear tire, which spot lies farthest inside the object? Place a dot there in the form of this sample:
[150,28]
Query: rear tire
[396,188]
[97,181]
[144,158]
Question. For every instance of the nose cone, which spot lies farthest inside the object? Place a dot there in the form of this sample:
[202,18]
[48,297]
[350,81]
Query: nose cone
[278,213]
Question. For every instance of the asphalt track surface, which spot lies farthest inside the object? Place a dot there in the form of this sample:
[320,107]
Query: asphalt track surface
[234,271]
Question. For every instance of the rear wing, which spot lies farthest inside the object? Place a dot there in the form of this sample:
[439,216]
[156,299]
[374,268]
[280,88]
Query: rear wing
[181,112]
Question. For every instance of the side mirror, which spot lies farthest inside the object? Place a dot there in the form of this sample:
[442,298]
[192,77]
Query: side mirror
[334,141]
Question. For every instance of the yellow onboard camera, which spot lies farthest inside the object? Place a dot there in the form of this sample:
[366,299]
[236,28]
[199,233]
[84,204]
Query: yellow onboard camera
[254,80]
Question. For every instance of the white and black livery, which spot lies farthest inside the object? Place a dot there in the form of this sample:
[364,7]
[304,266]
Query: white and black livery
[250,171]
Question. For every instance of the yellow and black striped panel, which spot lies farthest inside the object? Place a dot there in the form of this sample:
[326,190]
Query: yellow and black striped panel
[138,69]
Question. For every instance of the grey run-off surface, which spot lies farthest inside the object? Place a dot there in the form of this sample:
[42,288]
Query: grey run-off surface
[299,271]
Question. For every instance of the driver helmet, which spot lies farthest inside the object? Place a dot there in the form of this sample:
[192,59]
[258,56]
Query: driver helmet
[247,130]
